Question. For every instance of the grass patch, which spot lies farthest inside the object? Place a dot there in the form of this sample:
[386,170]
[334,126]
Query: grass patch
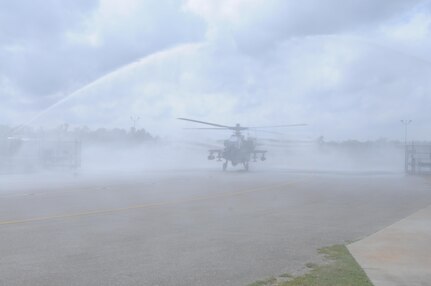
[311,265]
[268,282]
[286,275]
[341,270]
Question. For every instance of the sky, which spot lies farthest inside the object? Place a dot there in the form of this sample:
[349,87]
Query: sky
[349,69]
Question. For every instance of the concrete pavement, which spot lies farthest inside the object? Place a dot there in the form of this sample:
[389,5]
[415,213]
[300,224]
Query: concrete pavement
[191,227]
[399,254]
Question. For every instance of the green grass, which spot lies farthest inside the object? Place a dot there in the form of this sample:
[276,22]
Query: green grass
[341,270]
[311,265]
[286,275]
[267,282]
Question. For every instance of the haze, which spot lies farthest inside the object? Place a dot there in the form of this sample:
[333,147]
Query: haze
[101,184]
[350,70]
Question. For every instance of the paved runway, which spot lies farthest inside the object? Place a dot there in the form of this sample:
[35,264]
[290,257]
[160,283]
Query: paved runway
[189,227]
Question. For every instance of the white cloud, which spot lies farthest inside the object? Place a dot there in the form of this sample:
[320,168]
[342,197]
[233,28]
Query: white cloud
[343,89]
[258,25]
[417,29]
[349,69]
[48,48]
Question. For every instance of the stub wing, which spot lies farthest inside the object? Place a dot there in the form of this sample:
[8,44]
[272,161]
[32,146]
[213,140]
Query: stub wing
[215,153]
[260,153]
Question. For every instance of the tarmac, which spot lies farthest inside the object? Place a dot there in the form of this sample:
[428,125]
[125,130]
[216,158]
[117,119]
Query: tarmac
[190,227]
[399,254]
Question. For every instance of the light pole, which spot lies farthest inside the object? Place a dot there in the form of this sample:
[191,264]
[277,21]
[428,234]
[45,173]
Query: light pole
[405,123]
[134,120]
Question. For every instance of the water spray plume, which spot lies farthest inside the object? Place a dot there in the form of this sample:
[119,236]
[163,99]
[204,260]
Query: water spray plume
[107,77]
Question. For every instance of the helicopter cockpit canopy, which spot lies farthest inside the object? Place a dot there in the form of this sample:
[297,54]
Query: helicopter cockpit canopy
[233,141]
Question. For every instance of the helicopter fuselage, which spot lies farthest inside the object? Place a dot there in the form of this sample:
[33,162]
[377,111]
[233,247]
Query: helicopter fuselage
[237,150]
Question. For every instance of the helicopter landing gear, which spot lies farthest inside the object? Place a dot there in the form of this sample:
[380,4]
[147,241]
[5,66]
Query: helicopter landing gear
[224,166]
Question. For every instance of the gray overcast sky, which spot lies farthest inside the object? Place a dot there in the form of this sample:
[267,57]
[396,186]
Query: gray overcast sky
[351,69]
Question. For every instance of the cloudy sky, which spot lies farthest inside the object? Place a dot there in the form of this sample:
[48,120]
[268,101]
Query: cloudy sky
[350,69]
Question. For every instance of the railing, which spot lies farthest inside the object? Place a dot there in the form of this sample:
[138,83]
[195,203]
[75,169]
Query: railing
[418,158]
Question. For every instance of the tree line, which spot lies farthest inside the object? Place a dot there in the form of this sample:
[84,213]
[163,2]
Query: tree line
[80,133]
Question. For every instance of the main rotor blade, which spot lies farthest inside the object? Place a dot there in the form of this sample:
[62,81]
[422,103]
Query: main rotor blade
[278,126]
[286,141]
[208,128]
[203,122]
[269,132]
[199,144]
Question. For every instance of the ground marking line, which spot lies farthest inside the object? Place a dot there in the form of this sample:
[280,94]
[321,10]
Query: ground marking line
[142,206]
[67,191]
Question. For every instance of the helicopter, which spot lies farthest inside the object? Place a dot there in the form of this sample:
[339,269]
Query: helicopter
[237,148]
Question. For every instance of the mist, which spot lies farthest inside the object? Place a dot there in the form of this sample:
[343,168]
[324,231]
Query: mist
[83,150]
[351,78]
[206,142]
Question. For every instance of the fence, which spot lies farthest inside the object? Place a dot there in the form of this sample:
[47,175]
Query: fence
[418,158]
[27,155]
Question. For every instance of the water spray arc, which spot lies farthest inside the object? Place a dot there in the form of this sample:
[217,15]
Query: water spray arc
[153,58]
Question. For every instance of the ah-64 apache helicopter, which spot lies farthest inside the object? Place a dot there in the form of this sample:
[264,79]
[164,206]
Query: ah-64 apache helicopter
[237,149]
